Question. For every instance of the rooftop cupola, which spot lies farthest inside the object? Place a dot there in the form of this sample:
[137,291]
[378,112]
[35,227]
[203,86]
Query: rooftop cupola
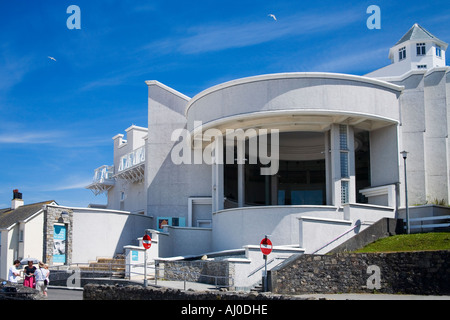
[418,49]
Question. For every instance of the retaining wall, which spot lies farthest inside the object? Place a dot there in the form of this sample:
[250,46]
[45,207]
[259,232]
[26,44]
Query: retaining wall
[423,272]
[212,272]
[115,292]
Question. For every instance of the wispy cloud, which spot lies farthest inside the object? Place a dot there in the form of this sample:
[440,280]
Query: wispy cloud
[70,184]
[31,137]
[363,59]
[58,138]
[13,67]
[222,36]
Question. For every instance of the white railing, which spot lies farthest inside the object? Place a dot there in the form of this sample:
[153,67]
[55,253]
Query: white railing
[430,225]
[103,173]
[132,159]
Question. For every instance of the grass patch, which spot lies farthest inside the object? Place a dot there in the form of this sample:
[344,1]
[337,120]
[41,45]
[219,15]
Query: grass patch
[410,242]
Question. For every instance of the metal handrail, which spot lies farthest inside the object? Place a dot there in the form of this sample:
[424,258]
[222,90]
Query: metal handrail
[432,225]
[198,275]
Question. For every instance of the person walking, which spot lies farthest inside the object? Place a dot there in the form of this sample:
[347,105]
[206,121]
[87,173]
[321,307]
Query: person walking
[47,278]
[29,271]
[14,272]
[41,279]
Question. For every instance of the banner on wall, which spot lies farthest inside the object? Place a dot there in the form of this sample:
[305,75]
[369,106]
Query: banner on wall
[59,244]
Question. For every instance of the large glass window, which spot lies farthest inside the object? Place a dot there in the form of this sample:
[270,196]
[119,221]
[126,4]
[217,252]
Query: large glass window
[301,183]
[300,180]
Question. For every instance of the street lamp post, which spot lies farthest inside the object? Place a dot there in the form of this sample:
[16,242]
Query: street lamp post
[404,155]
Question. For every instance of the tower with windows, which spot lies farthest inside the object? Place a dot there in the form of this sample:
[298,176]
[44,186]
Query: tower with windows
[418,49]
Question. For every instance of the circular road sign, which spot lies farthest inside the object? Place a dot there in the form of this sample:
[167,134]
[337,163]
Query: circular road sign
[147,241]
[266,246]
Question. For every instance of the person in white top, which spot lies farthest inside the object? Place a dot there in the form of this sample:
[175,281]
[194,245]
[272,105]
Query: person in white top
[14,272]
[41,279]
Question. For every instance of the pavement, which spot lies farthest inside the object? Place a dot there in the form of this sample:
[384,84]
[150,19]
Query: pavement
[64,293]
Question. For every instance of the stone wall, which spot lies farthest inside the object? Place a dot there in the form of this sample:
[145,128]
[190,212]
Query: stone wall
[54,215]
[424,272]
[15,291]
[117,292]
[211,272]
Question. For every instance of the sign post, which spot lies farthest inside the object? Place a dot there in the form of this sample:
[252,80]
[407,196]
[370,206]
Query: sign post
[266,249]
[147,243]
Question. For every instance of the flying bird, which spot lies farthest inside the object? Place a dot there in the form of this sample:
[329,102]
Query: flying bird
[51,58]
[272,16]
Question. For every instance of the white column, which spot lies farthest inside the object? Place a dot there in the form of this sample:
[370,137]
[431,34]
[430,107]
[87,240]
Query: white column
[335,164]
[217,181]
[351,165]
[327,151]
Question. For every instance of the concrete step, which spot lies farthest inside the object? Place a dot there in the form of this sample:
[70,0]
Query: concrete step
[114,265]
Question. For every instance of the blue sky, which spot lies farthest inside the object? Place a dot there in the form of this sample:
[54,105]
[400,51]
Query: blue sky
[57,118]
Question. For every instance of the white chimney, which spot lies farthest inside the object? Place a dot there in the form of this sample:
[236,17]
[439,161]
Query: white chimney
[17,199]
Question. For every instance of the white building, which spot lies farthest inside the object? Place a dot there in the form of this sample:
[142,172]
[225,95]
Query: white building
[338,138]
[59,235]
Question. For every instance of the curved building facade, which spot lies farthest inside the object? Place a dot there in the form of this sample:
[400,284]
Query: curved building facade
[302,157]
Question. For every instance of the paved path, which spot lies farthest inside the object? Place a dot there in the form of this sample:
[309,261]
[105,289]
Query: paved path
[55,293]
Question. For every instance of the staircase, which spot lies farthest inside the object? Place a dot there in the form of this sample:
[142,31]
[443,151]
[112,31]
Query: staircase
[114,267]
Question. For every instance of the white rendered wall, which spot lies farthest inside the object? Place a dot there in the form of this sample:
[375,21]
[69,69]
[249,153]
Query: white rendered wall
[234,228]
[384,156]
[103,233]
[178,241]
[167,184]
[10,240]
[436,136]
[33,237]
[297,93]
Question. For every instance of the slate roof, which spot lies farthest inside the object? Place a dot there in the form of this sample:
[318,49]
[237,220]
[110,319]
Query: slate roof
[9,217]
[417,33]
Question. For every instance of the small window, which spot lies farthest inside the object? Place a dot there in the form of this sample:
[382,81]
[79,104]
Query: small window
[344,165]
[421,66]
[343,137]
[402,53]
[438,51]
[421,49]
[344,192]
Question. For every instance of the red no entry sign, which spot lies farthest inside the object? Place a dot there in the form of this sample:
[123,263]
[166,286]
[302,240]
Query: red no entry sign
[266,246]
[147,241]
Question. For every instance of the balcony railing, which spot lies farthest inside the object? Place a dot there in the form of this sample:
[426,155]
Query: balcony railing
[132,159]
[104,174]
[103,180]
[132,166]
